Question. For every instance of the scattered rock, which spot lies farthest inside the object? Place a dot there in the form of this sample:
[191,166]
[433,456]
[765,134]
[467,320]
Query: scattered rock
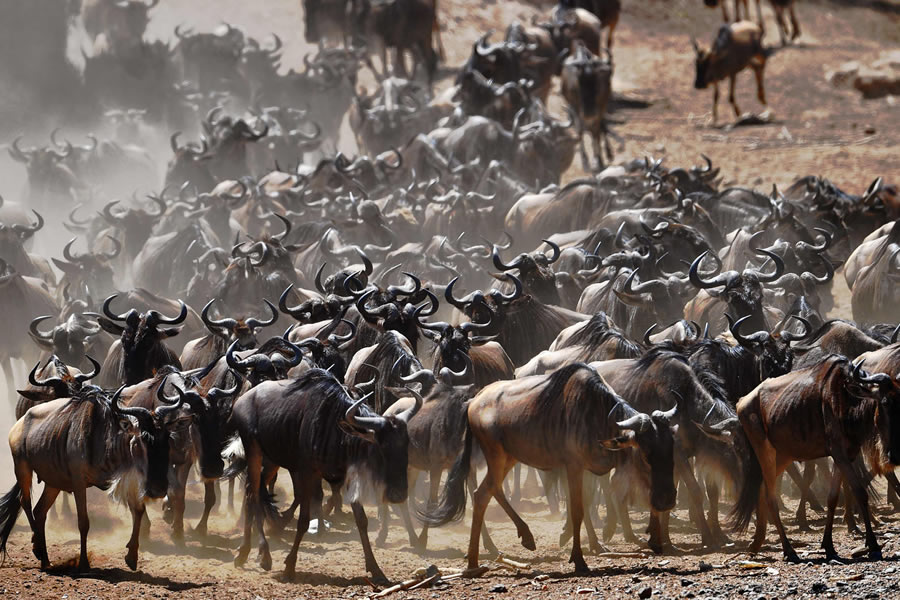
[818,588]
[498,589]
[686,582]
[705,566]
[645,593]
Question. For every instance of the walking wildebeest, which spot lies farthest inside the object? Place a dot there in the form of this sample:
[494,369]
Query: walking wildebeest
[735,48]
[564,420]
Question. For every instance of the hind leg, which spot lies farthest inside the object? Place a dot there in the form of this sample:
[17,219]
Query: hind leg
[304,487]
[795,24]
[39,541]
[760,85]
[486,540]
[84,524]
[731,98]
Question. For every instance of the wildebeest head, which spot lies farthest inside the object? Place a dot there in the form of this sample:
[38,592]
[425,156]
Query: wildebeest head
[156,427]
[269,362]
[211,413]
[189,164]
[55,380]
[243,331]
[702,62]
[743,292]
[886,392]
[90,275]
[535,272]
[391,444]
[48,173]
[653,436]
[128,19]
[68,340]
[142,338]
[12,240]
[136,223]
[773,350]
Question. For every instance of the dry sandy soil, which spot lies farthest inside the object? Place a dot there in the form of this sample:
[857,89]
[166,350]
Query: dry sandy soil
[817,130]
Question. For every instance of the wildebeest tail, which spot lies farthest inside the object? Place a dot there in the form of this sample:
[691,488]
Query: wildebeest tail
[268,505]
[10,505]
[452,505]
[748,496]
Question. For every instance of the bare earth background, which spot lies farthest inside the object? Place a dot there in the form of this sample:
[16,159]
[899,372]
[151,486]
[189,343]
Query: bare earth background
[818,130]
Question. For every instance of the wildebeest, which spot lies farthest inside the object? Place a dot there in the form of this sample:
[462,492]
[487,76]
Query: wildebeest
[85,441]
[562,421]
[587,87]
[831,409]
[141,349]
[312,428]
[735,48]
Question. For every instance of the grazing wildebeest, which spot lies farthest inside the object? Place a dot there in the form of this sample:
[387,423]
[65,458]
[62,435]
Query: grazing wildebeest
[314,429]
[85,441]
[564,420]
[831,409]
[736,47]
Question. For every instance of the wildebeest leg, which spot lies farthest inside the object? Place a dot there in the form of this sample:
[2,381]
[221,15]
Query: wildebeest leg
[590,493]
[712,493]
[84,524]
[770,470]
[403,509]
[362,525]
[434,486]
[490,486]
[782,26]
[576,514]
[38,526]
[251,498]
[695,495]
[759,18]
[550,480]
[893,489]
[850,512]
[731,97]
[522,529]
[858,485]
[725,10]
[802,482]
[137,516]
[288,514]
[517,483]
[654,527]
[834,492]
[209,500]
[715,103]
[486,540]
[384,520]
[760,86]
[176,501]
[612,28]
[795,24]
[303,487]
[231,494]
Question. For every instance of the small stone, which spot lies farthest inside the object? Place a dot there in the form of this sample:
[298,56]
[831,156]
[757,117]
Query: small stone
[645,593]
[869,130]
[819,588]
[705,567]
[498,589]
[686,582]
[635,579]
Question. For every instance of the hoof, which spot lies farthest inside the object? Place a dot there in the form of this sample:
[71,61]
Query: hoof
[581,568]
[83,565]
[378,577]
[791,557]
[528,541]
[875,554]
[241,559]
[265,561]
[131,561]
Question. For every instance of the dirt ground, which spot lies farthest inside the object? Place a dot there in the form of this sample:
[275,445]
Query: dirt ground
[817,130]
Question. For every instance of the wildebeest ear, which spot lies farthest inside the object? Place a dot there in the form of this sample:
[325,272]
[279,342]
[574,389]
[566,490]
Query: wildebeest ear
[620,443]
[110,326]
[34,395]
[170,332]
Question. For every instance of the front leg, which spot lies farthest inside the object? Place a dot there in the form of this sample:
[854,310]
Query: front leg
[137,516]
[362,526]
[209,501]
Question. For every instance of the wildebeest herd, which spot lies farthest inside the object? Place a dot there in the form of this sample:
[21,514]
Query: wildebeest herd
[440,302]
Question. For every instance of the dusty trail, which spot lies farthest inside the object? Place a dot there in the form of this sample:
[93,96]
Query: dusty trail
[818,130]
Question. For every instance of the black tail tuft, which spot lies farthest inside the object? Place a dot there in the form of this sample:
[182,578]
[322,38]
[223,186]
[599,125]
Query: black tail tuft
[452,505]
[268,505]
[10,505]
[748,496]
